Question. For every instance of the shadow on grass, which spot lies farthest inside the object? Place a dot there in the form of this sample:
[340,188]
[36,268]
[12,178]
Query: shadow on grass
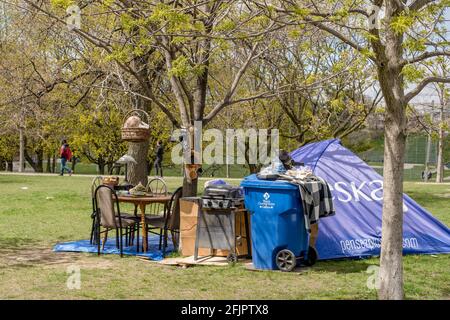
[344,266]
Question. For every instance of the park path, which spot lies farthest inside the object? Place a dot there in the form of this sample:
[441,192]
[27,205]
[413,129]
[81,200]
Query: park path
[8,173]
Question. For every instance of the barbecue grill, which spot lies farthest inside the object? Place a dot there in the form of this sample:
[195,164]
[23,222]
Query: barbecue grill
[216,225]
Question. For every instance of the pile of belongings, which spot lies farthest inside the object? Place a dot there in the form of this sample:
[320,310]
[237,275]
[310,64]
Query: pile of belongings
[315,193]
[138,190]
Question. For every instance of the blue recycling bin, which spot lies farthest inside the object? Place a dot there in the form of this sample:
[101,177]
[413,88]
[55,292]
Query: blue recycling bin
[277,221]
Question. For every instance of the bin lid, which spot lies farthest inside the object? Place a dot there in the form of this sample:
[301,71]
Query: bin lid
[252,181]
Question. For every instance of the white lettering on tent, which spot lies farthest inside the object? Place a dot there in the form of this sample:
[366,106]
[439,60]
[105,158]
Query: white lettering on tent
[357,191]
[356,245]
[337,187]
[374,192]
[347,192]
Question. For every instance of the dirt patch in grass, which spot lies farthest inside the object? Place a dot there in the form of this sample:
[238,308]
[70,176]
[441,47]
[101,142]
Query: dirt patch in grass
[47,258]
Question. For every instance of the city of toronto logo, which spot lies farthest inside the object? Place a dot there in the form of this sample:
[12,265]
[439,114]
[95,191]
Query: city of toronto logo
[266,196]
[227,146]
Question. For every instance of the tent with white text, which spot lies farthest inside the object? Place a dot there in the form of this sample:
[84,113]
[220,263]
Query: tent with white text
[355,230]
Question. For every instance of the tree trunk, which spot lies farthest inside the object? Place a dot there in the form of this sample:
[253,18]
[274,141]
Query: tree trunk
[21,150]
[10,165]
[138,172]
[54,164]
[101,166]
[189,187]
[74,163]
[391,81]
[440,158]
[391,264]
[139,151]
[2,164]
[36,165]
[48,166]
[40,161]
[391,272]
[30,161]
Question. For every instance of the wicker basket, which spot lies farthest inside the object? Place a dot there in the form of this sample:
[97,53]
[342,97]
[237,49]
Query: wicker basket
[135,134]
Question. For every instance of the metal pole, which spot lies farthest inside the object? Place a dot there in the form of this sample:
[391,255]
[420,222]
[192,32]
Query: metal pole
[227,165]
[440,158]
[427,157]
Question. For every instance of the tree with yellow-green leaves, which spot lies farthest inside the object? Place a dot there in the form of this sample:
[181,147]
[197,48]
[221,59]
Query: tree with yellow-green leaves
[322,89]
[305,66]
[95,134]
[167,51]
[406,35]
[107,37]
[8,149]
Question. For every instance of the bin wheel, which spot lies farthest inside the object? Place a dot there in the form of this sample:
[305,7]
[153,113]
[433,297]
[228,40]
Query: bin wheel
[311,256]
[232,258]
[286,260]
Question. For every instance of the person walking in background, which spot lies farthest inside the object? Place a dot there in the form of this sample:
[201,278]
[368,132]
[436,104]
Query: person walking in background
[159,158]
[66,155]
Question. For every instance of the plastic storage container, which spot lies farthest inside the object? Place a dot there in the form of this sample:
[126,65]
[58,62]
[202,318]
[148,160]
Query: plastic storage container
[278,232]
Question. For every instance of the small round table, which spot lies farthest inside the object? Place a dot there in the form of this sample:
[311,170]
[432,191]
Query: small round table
[142,202]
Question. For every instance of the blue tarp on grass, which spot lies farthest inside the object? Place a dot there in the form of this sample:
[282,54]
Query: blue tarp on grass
[153,252]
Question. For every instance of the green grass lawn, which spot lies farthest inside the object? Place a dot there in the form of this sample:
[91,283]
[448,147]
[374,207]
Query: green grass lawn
[55,209]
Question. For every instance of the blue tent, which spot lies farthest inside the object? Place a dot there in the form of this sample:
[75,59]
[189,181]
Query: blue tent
[355,230]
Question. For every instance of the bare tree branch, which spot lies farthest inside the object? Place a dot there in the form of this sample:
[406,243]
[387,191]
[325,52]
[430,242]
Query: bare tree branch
[423,84]
[419,4]
[232,89]
[426,55]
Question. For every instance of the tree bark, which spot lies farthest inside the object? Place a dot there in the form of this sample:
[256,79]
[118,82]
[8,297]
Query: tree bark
[38,164]
[391,264]
[10,165]
[440,158]
[21,150]
[74,163]
[40,161]
[48,166]
[54,164]
[101,166]
[389,68]
[189,187]
[138,172]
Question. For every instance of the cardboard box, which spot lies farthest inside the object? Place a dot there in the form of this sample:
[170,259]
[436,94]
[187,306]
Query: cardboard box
[189,209]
